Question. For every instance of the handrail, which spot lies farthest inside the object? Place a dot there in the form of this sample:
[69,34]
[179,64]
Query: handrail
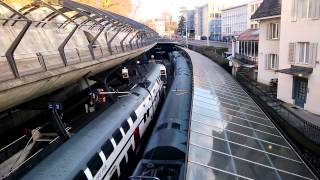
[79,52]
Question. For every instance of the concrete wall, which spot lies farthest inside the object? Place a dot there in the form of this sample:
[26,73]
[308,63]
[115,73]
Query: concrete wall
[302,30]
[266,46]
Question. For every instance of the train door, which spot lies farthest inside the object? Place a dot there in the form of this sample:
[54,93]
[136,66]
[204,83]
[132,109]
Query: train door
[114,176]
[136,135]
[123,166]
[131,155]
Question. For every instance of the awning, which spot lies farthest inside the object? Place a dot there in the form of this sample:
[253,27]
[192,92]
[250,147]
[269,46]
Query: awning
[249,35]
[297,71]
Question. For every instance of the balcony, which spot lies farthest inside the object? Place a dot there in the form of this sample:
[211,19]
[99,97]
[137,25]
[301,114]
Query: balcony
[311,63]
[247,59]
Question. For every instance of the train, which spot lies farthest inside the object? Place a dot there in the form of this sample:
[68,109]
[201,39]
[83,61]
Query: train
[101,149]
[165,154]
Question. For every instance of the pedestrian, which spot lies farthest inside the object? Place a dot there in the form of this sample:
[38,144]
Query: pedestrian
[90,106]
[101,96]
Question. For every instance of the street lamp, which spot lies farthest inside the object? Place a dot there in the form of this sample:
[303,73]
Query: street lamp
[187,29]
[208,27]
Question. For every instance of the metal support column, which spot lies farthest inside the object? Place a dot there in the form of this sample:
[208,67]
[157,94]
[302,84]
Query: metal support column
[254,48]
[142,39]
[91,44]
[64,43]
[10,52]
[137,39]
[247,48]
[111,39]
[130,42]
[57,122]
[121,42]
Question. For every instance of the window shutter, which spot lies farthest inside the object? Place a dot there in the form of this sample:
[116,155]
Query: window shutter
[279,30]
[268,31]
[266,62]
[314,9]
[292,49]
[317,9]
[276,66]
[313,53]
[294,10]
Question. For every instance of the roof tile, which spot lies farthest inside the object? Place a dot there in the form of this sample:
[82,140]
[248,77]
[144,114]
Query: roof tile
[268,8]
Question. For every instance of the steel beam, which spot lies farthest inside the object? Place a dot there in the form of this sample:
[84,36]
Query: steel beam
[121,42]
[10,52]
[130,42]
[138,37]
[91,44]
[64,43]
[111,39]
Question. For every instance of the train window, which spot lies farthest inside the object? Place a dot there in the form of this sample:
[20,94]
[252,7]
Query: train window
[162,126]
[148,112]
[135,93]
[125,126]
[133,116]
[80,176]
[107,148]
[117,136]
[95,164]
[131,154]
[145,117]
[175,126]
[123,165]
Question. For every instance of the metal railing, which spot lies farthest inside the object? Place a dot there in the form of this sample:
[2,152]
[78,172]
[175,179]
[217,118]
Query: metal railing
[31,63]
[302,134]
[311,63]
[247,59]
[279,111]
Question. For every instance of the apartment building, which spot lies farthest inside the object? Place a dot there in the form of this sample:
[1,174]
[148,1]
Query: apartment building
[208,20]
[234,21]
[189,16]
[299,68]
[268,16]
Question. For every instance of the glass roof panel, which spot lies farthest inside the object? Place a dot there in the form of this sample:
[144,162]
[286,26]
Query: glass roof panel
[230,137]
[196,172]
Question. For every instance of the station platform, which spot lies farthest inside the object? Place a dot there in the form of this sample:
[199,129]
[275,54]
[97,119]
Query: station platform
[230,136]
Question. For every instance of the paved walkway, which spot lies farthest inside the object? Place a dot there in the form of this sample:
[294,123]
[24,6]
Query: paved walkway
[230,136]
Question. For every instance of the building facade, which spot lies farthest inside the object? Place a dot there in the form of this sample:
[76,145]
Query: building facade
[189,15]
[299,74]
[234,21]
[198,22]
[252,8]
[208,22]
[268,16]
[160,26]
[245,53]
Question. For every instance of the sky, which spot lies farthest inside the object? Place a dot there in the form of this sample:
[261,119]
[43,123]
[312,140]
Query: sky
[150,9]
